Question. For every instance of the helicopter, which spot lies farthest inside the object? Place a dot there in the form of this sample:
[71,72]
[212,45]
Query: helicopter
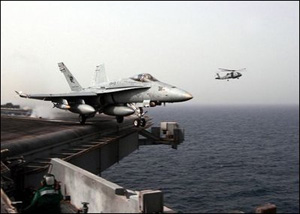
[231,74]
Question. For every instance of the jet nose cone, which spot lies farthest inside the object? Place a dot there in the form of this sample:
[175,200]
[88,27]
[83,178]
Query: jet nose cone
[182,95]
[188,96]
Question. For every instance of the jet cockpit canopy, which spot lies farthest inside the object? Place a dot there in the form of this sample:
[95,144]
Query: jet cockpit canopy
[145,77]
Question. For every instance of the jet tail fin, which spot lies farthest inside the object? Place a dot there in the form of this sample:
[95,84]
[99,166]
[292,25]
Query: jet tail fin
[73,83]
[100,75]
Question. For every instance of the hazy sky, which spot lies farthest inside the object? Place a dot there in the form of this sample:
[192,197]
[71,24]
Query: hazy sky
[181,43]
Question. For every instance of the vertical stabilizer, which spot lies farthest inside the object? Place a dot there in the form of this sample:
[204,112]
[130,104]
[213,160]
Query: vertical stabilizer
[100,75]
[73,83]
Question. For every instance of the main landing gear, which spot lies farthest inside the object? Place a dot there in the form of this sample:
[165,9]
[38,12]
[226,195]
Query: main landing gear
[120,119]
[82,119]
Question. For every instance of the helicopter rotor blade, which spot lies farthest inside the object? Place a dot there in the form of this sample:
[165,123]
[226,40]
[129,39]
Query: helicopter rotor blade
[226,70]
[231,70]
[242,69]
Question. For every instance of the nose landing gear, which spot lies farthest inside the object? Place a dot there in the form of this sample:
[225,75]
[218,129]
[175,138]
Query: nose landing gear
[140,121]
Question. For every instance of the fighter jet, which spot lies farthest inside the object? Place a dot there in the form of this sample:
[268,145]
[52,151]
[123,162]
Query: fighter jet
[117,98]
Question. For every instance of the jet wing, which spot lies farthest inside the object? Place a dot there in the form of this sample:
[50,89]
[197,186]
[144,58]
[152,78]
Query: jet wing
[78,94]
[53,97]
[226,70]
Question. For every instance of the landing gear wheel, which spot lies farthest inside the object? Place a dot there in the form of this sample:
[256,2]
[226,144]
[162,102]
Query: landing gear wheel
[143,122]
[120,119]
[136,122]
[82,119]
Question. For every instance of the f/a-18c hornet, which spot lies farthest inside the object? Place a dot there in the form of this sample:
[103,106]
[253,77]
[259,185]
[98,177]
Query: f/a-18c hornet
[119,98]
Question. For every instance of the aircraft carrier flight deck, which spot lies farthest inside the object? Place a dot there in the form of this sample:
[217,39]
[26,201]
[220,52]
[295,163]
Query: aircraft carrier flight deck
[75,153]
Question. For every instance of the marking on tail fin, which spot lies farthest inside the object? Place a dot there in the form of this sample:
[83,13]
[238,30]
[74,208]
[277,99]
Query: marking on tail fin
[73,83]
[71,79]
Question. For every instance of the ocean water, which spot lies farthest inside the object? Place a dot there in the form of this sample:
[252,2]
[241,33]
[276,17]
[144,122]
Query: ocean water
[233,158]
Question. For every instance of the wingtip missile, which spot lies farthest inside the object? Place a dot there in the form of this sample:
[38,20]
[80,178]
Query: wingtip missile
[20,93]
